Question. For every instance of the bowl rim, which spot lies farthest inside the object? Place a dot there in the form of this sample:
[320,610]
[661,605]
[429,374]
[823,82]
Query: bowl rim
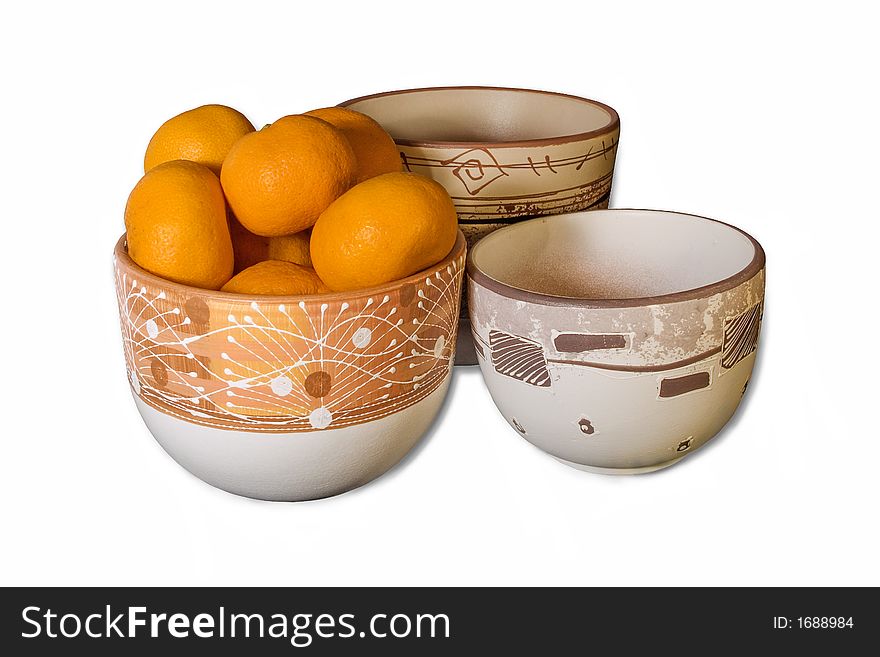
[748,272]
[613,124]
[120,253]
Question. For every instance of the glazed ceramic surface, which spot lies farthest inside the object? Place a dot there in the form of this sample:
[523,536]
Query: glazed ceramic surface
[619,340]
[502,154]
[289,398]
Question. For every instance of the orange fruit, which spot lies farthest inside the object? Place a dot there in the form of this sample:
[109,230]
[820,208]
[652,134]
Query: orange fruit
[176,228]
[374,149]
[276,277]
[249,249]
[292,248]
[204,135]
[278,180]
[383,229]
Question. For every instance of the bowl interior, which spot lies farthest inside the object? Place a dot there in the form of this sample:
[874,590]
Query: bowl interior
[481,115]
[615,254]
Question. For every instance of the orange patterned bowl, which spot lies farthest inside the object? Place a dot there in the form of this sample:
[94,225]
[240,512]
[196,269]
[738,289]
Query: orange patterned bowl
[289,398]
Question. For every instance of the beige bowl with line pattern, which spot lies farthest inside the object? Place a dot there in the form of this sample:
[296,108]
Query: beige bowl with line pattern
[618,341]
[502,154]
[289,398]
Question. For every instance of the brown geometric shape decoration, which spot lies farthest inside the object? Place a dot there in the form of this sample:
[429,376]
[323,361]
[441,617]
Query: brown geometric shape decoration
[159,372]
[679,385]
[519,358]
[741,336]
[685,444]
[586,427]
[317,384]
[197,310]
[407,294]
[579,342]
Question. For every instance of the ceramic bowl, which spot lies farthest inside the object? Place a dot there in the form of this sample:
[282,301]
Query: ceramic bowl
[289,398]
[618,341]
[502,154]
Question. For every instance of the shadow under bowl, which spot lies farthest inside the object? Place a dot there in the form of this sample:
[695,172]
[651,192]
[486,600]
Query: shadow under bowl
[289,398]
[618,341]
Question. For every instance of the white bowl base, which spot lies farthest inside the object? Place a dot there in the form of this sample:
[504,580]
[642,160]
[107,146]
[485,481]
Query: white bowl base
[297,466]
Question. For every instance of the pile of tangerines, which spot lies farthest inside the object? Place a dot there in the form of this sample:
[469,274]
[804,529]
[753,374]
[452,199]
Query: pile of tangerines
[312,203]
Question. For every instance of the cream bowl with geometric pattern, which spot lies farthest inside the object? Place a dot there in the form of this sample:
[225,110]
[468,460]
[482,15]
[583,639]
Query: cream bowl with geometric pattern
[289,398]
[618,341]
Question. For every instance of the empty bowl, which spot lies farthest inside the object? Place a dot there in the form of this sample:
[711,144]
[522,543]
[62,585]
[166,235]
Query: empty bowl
[502,154]
[618,341]
[289,398]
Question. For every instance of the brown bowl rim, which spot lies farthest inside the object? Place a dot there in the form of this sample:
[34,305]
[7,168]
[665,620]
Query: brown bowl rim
[612,126]
[121,253]
[748,272]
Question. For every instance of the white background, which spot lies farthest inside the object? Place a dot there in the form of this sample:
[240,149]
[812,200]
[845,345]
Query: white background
[763,117]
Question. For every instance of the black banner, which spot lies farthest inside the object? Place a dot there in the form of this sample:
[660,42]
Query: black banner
[434,621]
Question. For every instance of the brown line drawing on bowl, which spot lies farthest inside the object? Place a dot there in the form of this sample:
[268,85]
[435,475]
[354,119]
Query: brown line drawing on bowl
[458,169]
[469,167]
[680,385]
[741,336]
[639,368]
[537,195]
[517,426]
[575,343]
[495,219]
[587,155]
[509,213]
[519,358]
[547,165]
[530,164]
[515,205]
